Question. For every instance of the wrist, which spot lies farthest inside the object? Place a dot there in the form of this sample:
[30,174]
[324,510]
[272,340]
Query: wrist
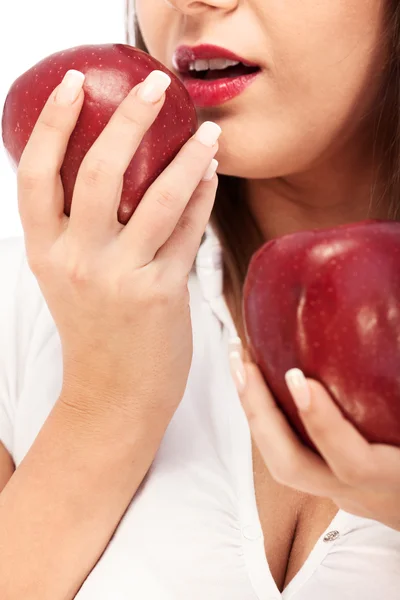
[105,421]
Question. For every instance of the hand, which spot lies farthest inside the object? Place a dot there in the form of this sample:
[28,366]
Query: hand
[361,478]
[118,294]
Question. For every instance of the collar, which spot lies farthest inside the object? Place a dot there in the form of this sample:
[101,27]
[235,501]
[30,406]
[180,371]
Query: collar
[209,271]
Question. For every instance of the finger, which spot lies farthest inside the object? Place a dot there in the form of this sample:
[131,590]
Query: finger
[40,191]
[353,460]
[163,204]
[96,195]
[384,472]
[288,460]
[182,247]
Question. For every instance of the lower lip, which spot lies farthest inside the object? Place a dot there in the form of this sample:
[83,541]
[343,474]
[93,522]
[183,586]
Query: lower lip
[214,92]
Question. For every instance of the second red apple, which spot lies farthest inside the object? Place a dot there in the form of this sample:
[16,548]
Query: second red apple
[328,302]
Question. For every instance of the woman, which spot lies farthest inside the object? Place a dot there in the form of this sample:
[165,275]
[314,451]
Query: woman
[126,460]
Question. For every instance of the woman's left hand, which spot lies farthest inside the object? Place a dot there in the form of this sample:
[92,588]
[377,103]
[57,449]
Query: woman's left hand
[361,478]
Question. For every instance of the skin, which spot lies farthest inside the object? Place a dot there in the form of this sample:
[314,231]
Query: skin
[67,469]
[7,467]
[309,156]
[305,149]
[101,436]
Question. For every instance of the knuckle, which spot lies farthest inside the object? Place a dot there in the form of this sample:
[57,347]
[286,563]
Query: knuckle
[78,272]
[28,178]
[166,198]
[128,118]
[150,288]
[186,225]
[49,123]
[123,287]
[146,288]
[95,171]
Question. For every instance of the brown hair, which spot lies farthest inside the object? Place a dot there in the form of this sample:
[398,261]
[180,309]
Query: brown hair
[236,228]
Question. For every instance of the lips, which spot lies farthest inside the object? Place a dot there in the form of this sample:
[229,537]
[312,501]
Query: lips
[184,55]
[209,86]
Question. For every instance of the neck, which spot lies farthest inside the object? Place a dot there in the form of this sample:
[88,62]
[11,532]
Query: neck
[341,191]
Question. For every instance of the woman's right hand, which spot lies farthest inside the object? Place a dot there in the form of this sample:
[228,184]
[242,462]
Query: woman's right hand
[118,294]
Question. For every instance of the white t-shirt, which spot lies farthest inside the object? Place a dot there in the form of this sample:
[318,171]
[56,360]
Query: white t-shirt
[192,531]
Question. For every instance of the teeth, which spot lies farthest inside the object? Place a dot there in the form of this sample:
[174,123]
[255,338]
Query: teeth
[199,65]
[222,63]
[216,64]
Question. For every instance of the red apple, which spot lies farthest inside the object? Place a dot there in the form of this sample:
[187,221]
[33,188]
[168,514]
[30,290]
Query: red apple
[111,70]
[328,302]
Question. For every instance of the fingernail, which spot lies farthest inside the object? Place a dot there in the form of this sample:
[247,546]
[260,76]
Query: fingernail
[208,133]
[70,87]
[298,387]
[236,364]
[153,87]
[211,170]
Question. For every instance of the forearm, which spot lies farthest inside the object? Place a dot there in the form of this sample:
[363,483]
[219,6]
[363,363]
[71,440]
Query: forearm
[65,500]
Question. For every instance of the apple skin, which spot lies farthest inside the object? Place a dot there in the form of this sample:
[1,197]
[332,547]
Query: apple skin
[328,302]
[111,71]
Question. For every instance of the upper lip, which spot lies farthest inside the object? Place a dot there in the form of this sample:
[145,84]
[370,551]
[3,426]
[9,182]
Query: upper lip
[184,55]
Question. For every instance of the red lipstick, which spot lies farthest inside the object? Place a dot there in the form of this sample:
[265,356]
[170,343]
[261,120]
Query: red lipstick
[207,83]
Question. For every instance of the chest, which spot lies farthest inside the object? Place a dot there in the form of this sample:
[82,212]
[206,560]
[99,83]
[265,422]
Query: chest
[185,534]
[292,523]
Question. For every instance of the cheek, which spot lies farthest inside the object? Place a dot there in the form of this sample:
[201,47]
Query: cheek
[327,48]
[326,71]
[152,17]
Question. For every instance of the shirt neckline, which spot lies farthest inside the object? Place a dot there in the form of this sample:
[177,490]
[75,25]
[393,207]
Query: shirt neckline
[209,270]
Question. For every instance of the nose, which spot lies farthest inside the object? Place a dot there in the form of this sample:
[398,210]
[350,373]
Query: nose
[192,7]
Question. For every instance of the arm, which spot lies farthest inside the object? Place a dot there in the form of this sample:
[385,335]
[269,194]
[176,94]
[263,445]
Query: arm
[120,300]
[62,504]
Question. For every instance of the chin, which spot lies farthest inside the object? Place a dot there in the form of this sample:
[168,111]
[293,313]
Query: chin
[250,160]
[253,165]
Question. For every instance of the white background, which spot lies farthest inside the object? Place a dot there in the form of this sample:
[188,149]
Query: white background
[30,30]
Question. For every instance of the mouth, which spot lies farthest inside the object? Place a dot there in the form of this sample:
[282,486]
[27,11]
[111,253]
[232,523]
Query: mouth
[213,75]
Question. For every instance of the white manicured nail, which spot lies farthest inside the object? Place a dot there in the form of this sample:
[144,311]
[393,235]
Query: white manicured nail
[236,364]
[154,86]
[298,387]
[70,87]
[208,133]
[211,170]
